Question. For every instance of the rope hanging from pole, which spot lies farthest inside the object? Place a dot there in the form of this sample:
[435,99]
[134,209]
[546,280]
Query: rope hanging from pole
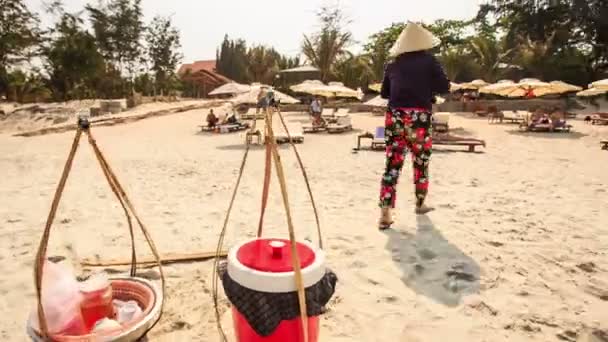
[123,199]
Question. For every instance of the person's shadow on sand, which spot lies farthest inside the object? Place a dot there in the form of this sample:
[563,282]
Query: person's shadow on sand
[431,265]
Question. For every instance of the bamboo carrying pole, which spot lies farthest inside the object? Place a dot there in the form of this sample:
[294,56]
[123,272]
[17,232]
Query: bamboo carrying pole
[272,154]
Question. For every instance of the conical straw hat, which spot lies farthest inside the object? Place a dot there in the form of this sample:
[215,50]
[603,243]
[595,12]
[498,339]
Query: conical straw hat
[414,38]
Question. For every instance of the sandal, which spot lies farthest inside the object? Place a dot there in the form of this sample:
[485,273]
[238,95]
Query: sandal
[385,225]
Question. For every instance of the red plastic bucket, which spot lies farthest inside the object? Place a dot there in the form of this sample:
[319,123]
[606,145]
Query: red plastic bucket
[265,265]
[287,331]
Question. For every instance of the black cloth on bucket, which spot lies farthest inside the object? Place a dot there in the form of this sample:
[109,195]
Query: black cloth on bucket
[265,311]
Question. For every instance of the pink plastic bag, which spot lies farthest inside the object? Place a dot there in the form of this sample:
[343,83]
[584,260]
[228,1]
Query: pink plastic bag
[61,300]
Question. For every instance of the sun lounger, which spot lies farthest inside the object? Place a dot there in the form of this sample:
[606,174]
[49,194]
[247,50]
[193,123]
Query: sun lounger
[296,133]
[343,123]
[251,114]
[310,128]
[512,116]
[447,140]
[563,126]
[327,113]
[604,144]
[377,139]
[226,128]
[441,122]
[597,119]
[342,111]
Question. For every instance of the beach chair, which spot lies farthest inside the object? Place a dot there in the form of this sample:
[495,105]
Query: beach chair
[562,126]
[447,140]
[441,122]
[295,132]
[597,119]
[328,113]
[343,123]
[496,117]
[207,128]
[342,112]
[251,114]
[377,139]
[604,144]
[311,128]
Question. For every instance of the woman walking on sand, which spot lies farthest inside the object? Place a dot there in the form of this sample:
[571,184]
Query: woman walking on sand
[410,84]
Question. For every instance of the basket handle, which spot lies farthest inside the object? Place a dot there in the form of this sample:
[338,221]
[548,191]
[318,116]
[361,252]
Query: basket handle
[117,189]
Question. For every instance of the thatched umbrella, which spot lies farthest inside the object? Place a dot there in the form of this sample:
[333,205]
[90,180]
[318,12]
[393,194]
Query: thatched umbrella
[231,88]
[308,87]
[251,97]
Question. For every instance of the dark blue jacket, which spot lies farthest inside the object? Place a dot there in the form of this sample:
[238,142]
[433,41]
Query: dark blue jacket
[413,80]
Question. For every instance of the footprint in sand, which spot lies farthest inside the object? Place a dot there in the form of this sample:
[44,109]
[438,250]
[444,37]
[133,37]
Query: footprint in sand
[358,264]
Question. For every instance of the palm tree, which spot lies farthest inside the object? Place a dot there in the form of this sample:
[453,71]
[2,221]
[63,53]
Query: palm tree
[354,70]
[325,49]
[488,55]
[456,62]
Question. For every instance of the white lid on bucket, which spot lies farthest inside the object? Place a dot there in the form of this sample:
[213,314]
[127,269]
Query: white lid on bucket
[265,265]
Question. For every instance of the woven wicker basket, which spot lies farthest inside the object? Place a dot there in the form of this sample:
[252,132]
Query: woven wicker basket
[140,290]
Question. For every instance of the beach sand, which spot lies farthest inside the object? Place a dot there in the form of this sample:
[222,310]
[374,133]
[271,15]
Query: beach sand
[516,250]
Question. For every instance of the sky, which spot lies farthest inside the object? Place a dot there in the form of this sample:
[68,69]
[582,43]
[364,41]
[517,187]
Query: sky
[278,23]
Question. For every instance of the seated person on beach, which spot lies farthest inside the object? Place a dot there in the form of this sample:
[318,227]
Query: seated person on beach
[545,119]
[231,119]
[212,120]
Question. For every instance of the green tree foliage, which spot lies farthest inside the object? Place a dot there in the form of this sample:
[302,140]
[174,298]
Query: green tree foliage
[570,24]
[354,71]
[19,33]
[163,44]
[324,48]
[119,29]
[379,46]
[73,62]
[232,60]
[262,64]
[255,64]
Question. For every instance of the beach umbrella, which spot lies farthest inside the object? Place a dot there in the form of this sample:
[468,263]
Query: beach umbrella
[377,101]
[338,89]
[592,92]
[531,87]
[455,87]
[498,88]
[308,87]
[377,87]
[474,85]
[230,89]
[602,84]
[527,87]
[560,87]
[251,97]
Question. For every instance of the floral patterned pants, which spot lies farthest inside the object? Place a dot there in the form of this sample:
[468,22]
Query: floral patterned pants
[406,129]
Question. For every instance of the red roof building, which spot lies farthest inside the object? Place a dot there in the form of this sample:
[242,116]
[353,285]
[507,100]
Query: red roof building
[197,66]
[202,77]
